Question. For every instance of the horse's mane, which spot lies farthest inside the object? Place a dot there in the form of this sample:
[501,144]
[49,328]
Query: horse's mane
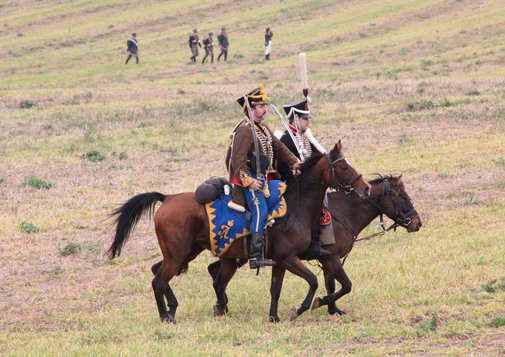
[311,161]
[380,178]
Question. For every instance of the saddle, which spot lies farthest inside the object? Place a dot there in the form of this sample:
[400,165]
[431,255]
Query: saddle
[227,225]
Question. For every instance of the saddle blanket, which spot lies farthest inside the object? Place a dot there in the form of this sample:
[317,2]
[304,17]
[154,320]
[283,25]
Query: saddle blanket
[227,225]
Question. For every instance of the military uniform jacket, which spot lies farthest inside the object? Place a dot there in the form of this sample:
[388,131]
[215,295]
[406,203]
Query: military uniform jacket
[223,41]
[242,149]
[132,45]
[309,150]
[194,40]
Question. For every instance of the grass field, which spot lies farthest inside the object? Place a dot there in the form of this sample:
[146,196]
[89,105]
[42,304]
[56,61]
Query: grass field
[410,87]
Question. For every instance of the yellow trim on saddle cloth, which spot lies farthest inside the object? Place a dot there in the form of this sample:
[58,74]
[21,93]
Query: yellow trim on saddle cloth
[213,243]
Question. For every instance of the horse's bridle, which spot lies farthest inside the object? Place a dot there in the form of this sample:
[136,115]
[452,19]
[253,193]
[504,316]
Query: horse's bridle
[400,218]
[347,189]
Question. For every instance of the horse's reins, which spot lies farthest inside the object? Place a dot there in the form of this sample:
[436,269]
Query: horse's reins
[404,222]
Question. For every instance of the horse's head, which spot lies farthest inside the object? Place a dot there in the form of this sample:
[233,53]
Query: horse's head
[397,204]
[342,176]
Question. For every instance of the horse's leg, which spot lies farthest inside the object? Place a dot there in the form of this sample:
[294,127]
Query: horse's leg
[278,272]
[213,269]
[228,267]
[329,282]
[295,266]
[161,287]
[331,298]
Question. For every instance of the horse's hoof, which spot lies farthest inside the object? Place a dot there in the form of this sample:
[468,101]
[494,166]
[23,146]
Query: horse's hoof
[220,312]
[274,319]
[170,319]
[294,314]
[336,311]
[316,303]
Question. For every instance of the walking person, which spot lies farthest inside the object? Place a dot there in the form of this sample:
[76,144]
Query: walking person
[268,42]
[132,48]
[223,44]
[208,45]
[194,43]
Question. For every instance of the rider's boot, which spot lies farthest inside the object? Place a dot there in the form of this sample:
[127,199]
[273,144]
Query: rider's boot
[256,259]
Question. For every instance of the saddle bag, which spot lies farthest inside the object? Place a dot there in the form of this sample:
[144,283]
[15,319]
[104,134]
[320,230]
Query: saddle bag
[210,189]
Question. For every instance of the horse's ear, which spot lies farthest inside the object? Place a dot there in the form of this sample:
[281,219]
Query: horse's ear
[336,150]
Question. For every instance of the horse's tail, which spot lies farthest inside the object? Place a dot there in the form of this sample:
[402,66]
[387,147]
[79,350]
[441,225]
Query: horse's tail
[129,215]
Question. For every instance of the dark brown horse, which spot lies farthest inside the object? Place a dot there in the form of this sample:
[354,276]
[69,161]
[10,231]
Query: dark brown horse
[350,215]
[182,229]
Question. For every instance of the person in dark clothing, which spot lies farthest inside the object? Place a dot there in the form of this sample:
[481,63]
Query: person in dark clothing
[305,146]
[268,42]
[208,45]
[223,44]
[194,43]
[132,48]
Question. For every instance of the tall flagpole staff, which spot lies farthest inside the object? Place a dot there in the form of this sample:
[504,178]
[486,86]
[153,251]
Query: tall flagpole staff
[305,89]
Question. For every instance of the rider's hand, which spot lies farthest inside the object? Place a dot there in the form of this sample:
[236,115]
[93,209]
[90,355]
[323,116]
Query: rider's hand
[296,168]
[256,185]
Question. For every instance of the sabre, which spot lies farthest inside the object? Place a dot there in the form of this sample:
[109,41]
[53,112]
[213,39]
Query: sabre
[259,174]
[295,141]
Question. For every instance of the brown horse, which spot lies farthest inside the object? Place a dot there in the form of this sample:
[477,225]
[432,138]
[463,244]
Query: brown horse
[182,229]
[350,215]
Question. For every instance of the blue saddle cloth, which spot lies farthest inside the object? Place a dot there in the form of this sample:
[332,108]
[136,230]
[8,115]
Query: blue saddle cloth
[227,225]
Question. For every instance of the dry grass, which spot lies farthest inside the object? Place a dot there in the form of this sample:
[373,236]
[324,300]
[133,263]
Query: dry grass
[163,126]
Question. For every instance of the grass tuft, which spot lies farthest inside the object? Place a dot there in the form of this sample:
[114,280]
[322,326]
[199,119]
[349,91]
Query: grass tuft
[70,248]
[497,321]
[93,156]
[32,181]
[26,104]
[28,227]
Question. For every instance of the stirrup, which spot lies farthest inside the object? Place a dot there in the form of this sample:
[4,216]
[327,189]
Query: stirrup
[255,263]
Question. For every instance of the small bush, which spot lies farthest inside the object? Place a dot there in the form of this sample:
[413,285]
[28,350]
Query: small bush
[2,179]
[32,181]
[473,92]
[25,104]
[28,227]
[497,322]
[70,248]
[427,104]
[93,156]
[122,155]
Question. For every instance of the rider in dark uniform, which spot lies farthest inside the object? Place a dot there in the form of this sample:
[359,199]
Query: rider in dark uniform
[248,182]
[306,145]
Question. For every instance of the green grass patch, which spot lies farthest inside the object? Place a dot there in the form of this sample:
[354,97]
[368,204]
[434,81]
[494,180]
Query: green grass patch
[28,227]
[497,321]
[93,156]
[34,182]
[70,248]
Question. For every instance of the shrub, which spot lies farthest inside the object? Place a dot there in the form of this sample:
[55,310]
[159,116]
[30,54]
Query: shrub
[93,156]
[70,248]
[28,227]
[25,104]
[497,322]
[473,92]
[32,181]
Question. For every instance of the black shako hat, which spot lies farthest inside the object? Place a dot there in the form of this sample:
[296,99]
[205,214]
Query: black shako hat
[255,97]
[301,109]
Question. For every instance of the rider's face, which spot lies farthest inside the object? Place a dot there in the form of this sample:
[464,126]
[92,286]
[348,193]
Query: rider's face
[258,112]
[304,124]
